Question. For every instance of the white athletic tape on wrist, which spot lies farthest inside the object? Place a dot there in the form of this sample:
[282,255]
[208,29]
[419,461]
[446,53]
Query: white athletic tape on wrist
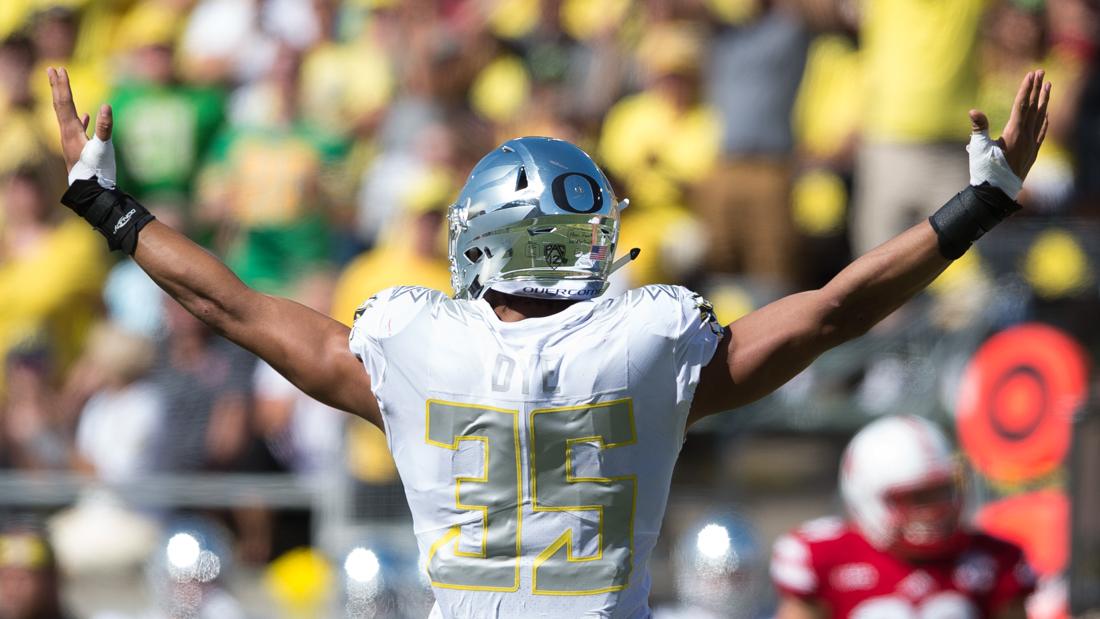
[988,163]
[96,159]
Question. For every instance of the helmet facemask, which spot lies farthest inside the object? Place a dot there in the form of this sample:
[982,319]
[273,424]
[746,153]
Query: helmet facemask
[925,518]
[902,486]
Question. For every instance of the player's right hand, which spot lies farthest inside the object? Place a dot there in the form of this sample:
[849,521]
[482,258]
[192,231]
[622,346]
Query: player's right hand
[1026,128]
[73,127]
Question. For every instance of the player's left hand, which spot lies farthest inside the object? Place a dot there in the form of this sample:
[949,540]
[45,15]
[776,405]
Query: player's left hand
[74,128]
[1026,128]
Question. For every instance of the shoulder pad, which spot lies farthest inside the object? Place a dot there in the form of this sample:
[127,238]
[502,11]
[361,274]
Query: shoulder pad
[681,307]
[391,310]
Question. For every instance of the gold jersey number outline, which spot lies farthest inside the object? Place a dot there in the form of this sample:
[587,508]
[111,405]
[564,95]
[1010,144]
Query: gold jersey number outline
[618,431]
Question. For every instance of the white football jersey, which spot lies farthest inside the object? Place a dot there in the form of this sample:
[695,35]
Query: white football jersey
[536,455]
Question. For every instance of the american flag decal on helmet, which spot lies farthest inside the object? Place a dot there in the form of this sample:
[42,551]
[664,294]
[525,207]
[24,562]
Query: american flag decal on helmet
[599,252]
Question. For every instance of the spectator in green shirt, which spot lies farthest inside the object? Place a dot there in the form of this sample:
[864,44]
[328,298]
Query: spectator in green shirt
[266,182]
[164,126]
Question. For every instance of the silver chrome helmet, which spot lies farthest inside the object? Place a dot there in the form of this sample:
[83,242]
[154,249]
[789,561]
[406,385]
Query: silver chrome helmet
[536,218]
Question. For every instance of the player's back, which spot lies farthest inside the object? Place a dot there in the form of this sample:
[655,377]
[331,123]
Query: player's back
[536,455]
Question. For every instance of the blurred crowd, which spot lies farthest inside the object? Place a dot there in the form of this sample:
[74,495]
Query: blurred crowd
[315,145]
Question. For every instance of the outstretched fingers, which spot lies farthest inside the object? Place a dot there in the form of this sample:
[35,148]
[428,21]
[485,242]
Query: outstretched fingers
[1027,127]
[1041,109]
[63,105]
[1036,88]
[1032,118]
[1019,106]
[72,128]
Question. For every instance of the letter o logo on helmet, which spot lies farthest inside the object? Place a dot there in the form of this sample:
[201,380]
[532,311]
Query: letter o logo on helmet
[557,188]
[577,193]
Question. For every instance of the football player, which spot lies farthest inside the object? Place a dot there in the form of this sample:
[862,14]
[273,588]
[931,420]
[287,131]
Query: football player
[535,424]
[903,552]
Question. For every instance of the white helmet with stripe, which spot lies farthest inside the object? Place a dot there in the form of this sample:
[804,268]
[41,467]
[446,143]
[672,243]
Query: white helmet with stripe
[900,481]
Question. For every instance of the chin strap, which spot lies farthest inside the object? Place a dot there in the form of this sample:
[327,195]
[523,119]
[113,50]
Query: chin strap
[570,290]
[625,260]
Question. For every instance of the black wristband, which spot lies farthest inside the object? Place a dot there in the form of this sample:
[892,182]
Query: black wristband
[967,216]
[114,213]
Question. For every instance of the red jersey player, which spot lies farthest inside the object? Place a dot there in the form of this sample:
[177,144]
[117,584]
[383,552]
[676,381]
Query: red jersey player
[903,553]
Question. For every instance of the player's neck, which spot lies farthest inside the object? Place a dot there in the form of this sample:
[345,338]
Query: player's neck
[511,308]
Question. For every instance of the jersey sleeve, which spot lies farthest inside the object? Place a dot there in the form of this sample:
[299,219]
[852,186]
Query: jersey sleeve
[698,331]
[793,568]
[688,320]
[381,317]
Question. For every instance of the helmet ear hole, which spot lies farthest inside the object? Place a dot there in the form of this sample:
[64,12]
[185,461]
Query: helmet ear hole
[521,178]
[473,254]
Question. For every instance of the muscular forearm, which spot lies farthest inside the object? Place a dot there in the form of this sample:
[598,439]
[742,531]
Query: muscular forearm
[195,278]
[307,347]
[766,348]
[770,345]
[881,281]
[878,283]
[272,328]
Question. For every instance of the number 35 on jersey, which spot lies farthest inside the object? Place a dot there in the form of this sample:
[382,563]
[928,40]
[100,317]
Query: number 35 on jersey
[495,498]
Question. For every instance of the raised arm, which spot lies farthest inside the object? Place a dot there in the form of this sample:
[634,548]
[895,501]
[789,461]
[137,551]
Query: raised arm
[768,347]
[307,347]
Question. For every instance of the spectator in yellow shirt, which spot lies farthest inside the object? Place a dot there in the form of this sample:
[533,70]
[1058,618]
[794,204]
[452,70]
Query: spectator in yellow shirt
[411,253]
[54,31]
[52,268]
[1019,34]
[920,60]
[662,143]
[21,143]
